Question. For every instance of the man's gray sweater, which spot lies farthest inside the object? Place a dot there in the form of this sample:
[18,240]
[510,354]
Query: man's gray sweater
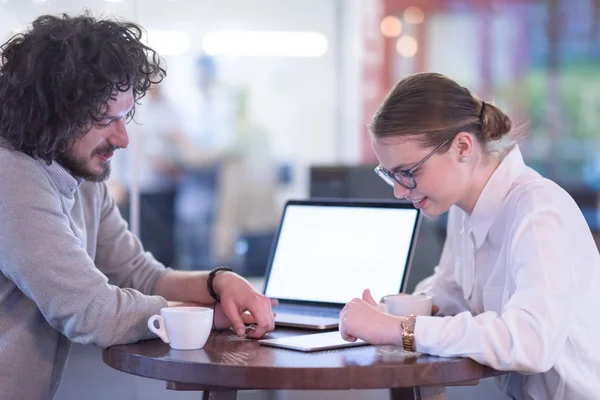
[70,271]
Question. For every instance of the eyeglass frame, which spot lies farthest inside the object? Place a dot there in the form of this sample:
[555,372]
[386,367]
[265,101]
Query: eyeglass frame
[390,176]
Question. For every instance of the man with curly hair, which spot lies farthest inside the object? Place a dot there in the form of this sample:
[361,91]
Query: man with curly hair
[71,271]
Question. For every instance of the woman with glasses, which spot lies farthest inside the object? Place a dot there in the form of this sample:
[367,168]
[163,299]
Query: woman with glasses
[518,282]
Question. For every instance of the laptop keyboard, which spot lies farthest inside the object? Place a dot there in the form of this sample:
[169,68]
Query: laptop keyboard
[307,310]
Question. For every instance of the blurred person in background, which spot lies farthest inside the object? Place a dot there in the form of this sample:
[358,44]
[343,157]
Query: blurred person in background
[518,281]
[70,270]
[156,165]
[248,211]
[206,145]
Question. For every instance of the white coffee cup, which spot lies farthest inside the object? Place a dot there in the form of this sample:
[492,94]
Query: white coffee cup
[183,328]
[403,304]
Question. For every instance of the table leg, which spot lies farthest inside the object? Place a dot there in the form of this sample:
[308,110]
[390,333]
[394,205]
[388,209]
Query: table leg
[219,395]
[431,393]
[423,393]
[402,394]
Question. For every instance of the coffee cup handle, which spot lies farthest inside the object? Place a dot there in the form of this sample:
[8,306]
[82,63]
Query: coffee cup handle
[160,331]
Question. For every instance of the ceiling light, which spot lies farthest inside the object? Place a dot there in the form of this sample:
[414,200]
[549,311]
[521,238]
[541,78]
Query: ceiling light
[390,26]
[265,44]
[407,46]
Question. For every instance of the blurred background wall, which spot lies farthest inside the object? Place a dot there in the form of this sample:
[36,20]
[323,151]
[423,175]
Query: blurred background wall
[260,92]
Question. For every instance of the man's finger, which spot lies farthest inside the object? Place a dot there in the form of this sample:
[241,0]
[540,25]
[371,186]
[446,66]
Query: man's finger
[247,318]
[270,314]
[259,330]
[232,314]
[263,317]
[434,309]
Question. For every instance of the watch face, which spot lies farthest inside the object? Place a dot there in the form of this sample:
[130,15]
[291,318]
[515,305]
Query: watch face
[409,323]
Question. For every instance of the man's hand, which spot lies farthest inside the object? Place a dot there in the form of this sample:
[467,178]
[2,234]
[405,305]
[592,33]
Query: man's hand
[222,322]
[237,296]
[363,319]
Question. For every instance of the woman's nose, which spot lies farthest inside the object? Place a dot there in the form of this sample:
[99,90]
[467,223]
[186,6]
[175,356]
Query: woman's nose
[400,191]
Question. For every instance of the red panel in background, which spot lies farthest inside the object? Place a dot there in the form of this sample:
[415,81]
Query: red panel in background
[380,53]
[375,70]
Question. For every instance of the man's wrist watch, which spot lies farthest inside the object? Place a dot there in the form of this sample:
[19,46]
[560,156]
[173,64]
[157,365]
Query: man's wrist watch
[408,333]
[209,282]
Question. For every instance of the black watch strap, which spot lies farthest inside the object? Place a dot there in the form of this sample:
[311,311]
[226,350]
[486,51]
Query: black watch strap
[209,282]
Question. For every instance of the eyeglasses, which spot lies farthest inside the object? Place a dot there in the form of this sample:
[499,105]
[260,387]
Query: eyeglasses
[405,177]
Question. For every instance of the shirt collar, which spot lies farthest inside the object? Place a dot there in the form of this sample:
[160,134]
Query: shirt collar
[66,183]
[493,194]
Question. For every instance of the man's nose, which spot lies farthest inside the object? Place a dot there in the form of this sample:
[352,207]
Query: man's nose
[119,136]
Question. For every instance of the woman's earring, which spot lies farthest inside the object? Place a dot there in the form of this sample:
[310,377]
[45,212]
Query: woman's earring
[463,160]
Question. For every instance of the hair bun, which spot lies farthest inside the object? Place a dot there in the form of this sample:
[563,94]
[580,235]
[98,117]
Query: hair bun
[494,123]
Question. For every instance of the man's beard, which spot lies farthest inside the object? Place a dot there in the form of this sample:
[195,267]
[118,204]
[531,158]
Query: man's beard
[78,165]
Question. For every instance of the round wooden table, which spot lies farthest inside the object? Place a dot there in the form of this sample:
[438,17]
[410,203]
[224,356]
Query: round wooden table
[228,363]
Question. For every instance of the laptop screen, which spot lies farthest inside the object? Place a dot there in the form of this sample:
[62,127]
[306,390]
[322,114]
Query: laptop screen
[331,253]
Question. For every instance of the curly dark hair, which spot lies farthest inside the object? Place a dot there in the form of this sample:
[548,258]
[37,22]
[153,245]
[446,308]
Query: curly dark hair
[56,79]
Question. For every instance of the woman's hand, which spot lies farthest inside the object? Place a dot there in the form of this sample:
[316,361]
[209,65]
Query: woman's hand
[363,319]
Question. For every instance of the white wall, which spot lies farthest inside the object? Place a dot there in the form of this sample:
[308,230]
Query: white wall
[293,98]
[453,47]
[350,80]
[15,14]
[309,106]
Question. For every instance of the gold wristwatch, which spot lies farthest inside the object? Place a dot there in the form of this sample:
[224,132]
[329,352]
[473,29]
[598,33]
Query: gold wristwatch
[408,333]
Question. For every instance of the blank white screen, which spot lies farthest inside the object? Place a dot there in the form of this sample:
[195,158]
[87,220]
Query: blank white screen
[331,254]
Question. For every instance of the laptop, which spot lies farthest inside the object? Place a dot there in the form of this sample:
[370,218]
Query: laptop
[327,251]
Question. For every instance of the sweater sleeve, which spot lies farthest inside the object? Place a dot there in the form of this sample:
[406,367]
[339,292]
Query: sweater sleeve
[44,258]
[119,253]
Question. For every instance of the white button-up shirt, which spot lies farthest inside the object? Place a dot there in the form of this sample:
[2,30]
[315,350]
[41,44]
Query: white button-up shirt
[519,283]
